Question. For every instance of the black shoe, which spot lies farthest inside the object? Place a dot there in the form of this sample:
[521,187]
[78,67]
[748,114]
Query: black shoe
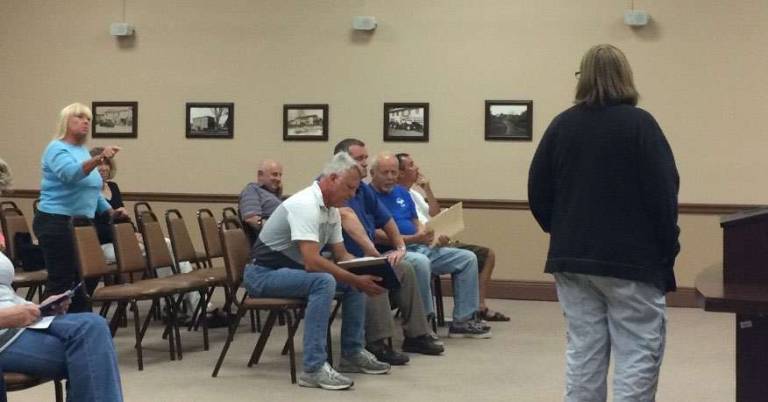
[217,319]
[422,344]
[385,354]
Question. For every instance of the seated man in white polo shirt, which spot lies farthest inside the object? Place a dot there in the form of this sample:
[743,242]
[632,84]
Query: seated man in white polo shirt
[287,263]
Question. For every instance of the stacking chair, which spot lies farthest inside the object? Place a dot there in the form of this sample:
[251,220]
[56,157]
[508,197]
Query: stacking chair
[18,382]
[236,252]
[209,230]
[181,243]
[182,248]
[158,256]
[14,222]
[90,260]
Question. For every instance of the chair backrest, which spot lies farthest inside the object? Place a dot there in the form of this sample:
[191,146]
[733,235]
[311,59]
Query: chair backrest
[236,251]
[140,209]
[90,258]
[128,254]
[14,222]
[181,243]
[229,212]
[155,246]
[209,229]
[8,205]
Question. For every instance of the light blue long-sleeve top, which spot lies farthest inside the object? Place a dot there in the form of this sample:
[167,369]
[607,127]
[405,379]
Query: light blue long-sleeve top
[65,189]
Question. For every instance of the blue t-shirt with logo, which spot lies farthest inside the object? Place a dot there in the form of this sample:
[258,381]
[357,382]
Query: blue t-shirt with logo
[401,206]
[371,213]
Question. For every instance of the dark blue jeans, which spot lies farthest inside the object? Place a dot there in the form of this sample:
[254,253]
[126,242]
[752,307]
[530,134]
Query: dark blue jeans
[77,347]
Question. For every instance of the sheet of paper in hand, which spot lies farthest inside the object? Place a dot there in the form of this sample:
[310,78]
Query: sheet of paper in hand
[376,266]
[448,222]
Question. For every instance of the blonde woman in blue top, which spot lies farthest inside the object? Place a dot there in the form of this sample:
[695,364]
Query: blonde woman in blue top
[70,187]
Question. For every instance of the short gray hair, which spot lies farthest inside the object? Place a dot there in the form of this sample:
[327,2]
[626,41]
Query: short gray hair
[380,157]
[5,175]
[339,164]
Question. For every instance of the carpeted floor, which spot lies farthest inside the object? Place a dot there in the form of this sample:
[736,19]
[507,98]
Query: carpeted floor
[522,362]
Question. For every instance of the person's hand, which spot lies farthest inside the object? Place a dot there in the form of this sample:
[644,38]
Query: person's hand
[120,213]
[422,181]
[395,256]
[425,236]
[21,315]
[60,308]
[368,285]
[443,241]
[109,152]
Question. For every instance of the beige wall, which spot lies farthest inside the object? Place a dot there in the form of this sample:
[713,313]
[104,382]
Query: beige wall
[700,67]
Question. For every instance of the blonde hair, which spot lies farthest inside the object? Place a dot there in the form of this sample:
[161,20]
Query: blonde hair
[5,175]
[605,78]
[75,109]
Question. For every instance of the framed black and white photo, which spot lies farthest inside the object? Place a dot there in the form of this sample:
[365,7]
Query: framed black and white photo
[210,120]
[115,119]
[406,122]
[509,120]
[305,122]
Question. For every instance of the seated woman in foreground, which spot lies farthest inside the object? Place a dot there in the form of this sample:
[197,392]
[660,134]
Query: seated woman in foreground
[77,347]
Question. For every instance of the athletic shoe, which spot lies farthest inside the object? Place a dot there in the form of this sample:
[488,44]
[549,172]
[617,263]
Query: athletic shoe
[386,354]
[326,378]
[363,362]
[422,344]
[468,329]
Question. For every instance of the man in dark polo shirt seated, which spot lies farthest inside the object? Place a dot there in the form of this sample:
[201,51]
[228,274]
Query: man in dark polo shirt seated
[287,263]
[259,199]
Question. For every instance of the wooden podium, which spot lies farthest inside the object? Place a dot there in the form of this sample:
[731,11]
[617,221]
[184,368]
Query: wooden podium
[740,285]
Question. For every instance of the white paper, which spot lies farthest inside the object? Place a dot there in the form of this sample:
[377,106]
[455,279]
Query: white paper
[43,323]
[449,222]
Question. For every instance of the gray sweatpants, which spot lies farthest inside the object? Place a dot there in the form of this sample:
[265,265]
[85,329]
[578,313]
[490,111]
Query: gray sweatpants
[605,315]
[379,323]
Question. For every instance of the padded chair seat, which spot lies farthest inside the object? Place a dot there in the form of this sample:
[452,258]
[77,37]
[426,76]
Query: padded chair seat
[25,279]
[268,302]
[215,275]
[19,381]
[139,290]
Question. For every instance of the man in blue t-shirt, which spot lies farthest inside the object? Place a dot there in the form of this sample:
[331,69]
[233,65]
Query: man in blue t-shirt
[360,220]
[461,264]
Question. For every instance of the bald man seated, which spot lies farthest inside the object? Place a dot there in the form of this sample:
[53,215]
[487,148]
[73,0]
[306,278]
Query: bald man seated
[259,199]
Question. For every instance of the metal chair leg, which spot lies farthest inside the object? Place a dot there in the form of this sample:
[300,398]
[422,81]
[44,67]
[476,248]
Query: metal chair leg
[230,336]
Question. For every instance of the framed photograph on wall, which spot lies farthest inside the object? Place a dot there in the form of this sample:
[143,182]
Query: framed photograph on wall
[115,119]
[210,120]
[509,120]
[406,122]
[305,122]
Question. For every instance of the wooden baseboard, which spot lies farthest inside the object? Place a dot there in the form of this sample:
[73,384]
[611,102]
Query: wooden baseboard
[545,291]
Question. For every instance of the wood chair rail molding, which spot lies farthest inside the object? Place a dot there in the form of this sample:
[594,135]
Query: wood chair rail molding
[684,208]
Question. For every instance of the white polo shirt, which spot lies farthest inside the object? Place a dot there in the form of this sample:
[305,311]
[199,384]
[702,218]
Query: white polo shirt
[303,216]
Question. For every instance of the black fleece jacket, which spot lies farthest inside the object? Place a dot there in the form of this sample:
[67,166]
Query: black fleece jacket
[603,184]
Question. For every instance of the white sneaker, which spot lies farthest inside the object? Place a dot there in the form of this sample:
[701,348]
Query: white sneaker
[326,378]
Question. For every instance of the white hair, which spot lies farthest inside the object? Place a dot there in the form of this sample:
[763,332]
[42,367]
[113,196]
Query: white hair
[339,164]
[5,175]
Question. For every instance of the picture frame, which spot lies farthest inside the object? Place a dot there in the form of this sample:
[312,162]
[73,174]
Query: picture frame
[509,120]
[210,120]
[305,122]
[406,122]
[115,119]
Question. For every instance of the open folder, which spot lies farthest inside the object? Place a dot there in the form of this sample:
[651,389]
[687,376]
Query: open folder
[448,222]
[376,266]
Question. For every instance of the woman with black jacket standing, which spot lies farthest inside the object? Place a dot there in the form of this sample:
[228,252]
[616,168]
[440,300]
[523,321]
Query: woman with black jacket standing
[603,184]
